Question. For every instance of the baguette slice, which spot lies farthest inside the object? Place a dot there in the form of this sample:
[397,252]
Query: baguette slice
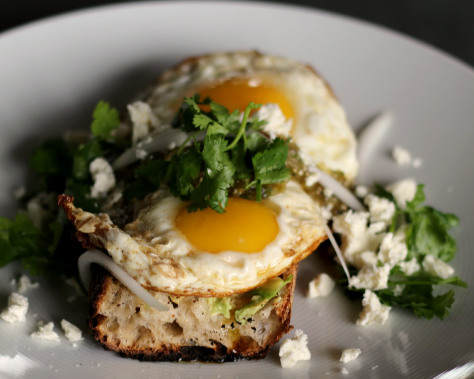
[122,322]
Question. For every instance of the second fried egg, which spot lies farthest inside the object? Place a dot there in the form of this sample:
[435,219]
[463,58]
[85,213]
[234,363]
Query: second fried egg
[319,125]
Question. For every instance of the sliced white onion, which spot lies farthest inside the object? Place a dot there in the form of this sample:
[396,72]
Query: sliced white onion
[340,191]
[95,256]
[156,142]
[369,139]
[338,251]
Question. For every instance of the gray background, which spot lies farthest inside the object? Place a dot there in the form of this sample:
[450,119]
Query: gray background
[445,24]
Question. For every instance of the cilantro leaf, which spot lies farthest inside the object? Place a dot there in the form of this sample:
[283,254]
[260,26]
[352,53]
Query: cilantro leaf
[105,120]
[215,154]
[83,156]
[417,293]
[269,164]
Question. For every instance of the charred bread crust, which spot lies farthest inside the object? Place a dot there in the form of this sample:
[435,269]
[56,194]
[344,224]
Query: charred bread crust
[102,283]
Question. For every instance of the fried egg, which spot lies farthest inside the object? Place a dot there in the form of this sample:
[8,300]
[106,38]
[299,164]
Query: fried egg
[319,126]
[205,253]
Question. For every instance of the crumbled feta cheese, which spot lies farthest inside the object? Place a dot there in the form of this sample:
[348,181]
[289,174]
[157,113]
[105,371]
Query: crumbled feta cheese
[344,371]
[311,180]
[371,277]
[361,191]
[349,355]
[172,145]
[71,331]
[417,162]
[437,267]
[277,124]
[374,313]
[72,281]
[380,209]
[320,286]
[42,209]
[403,191]
[366,258]
[328,192]
[294,350]
[398,289]
[393,249]
[16,309]
[401,156]
[141,154]
[25,284]
[143,119]
[45,332]
[404,158]
[356,236]
[409,267]
[103,176]
[19,192]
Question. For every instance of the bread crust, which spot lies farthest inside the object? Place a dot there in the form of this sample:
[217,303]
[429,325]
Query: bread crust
[103,297]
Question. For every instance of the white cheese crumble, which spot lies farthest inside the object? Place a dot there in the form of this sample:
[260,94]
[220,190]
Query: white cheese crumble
[374,313]
[19,192]
[45,332]
[380,209]
[42,209]
[349,355]
[24,284]
[103,176]
[143,120]
[393,249]
[320,286]
[357,238]
[401,156]
[398,289]
[404,158]
[403,191]
[344,371]
[71,331]
[371,277]
[437,267]
[16,309]
[294,350]
[361,191]
[409,267]
[141,154]
[277,125]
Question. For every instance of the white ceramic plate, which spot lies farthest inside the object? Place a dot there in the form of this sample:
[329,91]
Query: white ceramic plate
[54,71]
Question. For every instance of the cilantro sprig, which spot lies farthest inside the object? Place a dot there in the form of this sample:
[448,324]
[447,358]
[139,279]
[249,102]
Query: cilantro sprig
[427,232]
[225,150]
[61,166]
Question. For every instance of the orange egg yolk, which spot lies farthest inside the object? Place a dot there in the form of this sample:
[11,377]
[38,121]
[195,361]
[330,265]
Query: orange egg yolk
[245,226]
[236,93]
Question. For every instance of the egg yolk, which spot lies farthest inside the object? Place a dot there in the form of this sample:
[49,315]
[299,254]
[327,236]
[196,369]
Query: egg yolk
[245,226]
[236,93]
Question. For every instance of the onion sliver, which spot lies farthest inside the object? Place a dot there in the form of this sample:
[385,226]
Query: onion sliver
[157,142]
[336,248]
[95,256]
[369,139]
[340,191]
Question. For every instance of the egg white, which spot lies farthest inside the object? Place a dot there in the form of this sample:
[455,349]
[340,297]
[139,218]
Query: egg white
[159,257]
[321,129]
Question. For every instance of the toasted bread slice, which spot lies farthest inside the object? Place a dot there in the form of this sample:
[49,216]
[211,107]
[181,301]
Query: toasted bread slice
[122,322]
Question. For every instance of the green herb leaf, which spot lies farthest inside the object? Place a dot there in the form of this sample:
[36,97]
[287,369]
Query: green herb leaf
[105,120]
